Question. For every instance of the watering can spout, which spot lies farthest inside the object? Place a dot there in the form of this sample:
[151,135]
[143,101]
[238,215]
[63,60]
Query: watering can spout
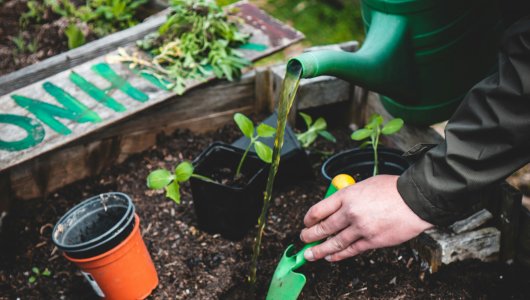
[381,65]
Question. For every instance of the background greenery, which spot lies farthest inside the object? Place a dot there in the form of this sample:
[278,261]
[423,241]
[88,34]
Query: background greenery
[323,22]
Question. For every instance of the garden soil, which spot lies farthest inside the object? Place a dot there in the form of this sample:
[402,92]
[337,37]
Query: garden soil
[192,264]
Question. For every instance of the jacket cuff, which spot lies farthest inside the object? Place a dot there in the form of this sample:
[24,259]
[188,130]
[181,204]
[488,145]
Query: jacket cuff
[415,198]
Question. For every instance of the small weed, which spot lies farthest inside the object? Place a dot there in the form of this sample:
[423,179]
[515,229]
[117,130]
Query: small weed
[36,274]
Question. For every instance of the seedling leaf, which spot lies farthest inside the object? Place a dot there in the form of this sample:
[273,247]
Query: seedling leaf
[183,171]
[320,124]
[264,152]
[361,134]
[327,135]
[75,36]
[307,119]
[265,130]
[35,270]
[392,126]
[46,272]
[365,144]
[159,179]
[245,124]
[173,192]
[32,279]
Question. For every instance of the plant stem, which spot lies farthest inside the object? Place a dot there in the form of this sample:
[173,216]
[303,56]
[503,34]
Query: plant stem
[376,158]
[238,171]
[203,178]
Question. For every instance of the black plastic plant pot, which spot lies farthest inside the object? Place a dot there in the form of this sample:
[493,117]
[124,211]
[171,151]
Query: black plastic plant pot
[294,163]
[220,208]
[359,163]
[95,225]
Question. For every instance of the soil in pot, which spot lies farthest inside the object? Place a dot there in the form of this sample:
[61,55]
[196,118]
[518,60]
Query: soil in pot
[193,264]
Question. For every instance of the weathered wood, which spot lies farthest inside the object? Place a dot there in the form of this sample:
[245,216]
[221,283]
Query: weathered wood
[265,31]
[509,220]
[438,247]
[264,90]
[77,56]
[367,103]
[472,222]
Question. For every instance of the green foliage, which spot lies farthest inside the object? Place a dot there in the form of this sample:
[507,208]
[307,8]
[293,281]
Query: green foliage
[197,40]
[34,13]
[318,128]
[37,273]
[373,130]
[101,16]
[22,46]
[246,126]
[164,179]
[75,36]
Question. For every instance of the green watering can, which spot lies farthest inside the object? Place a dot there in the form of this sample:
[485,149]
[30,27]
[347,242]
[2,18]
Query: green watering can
[286,284]
[421,55]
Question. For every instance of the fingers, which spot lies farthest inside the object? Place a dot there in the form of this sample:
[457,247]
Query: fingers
[336,244]
[333,224]
[322,210]
[352,250]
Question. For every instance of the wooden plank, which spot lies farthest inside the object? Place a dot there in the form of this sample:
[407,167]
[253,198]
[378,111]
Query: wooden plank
[473,222]
[509,220]
[264,30]
[77,56]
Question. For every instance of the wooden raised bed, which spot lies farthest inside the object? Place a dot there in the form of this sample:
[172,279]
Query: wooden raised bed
[131,118]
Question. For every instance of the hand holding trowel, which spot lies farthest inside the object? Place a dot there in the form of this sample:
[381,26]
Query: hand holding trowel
[286,284]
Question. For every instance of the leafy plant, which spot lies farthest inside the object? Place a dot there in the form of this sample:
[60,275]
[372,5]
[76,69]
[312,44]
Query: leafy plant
[314,129]
[101,16]
[75,36]
[197,40]
[263,151]
[373,130]
[37,273]
[164,179]
[35,12]
[23,46]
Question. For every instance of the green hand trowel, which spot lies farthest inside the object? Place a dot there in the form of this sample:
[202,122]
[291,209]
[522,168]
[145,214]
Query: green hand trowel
[286,284]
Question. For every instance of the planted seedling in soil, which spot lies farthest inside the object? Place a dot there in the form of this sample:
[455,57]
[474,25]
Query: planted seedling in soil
[263,151]
[373,130]
[314,130]
[164,179]
[36,274]
[197,40]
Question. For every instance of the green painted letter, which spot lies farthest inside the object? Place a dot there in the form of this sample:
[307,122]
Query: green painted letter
[34,130]
[105,71]
[47,113]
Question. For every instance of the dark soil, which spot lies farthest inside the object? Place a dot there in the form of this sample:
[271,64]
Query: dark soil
[192,264]
[228,177]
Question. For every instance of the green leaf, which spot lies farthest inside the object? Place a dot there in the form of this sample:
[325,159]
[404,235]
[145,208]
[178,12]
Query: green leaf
[320,124]
[46,272]
[309,138]
[265,130]
[159,179]
[376,120]
[173,192]
[264,152]
[75,36]
[327,135]
[307,119]
[365,144]
[361,134]
[35,270]
[32,279]
[392,126]
[183,171]
[245,124]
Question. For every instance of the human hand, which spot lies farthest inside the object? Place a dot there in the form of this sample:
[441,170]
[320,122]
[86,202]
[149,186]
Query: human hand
[368,215]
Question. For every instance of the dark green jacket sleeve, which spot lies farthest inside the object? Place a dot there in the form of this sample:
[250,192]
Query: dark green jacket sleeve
[486,139]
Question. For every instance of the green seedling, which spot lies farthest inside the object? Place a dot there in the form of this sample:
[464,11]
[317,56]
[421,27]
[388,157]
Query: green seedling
[20,43]
[75,36]
[197,40]
[164,179]
[37,274]
[373,130]
[314,129]
[263,151]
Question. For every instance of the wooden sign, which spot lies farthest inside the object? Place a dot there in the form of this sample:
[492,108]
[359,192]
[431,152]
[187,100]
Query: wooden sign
[53,112]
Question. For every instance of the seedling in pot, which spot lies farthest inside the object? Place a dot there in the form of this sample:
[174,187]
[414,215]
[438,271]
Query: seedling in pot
[37,274]
[263,151]
[373,130]
[164,179]
[314,129]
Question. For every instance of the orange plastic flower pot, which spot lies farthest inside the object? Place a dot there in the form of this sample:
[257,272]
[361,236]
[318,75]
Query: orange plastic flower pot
[124,272]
